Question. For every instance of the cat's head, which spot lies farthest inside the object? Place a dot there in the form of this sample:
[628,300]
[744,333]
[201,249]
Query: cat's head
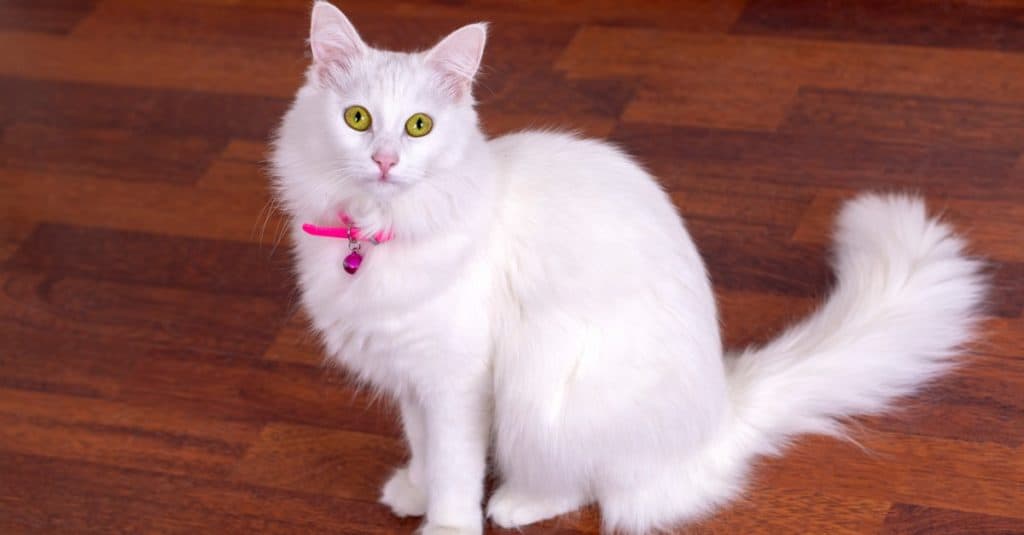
[374,123]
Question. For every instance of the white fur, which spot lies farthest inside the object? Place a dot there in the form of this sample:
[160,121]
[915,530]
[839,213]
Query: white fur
[542,298]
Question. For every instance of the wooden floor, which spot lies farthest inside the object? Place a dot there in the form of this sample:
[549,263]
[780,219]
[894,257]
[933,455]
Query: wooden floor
[155,376]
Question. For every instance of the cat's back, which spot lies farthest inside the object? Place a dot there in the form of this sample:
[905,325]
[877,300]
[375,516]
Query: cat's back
[553,161]
[561,180]
[580,213]
[551,177]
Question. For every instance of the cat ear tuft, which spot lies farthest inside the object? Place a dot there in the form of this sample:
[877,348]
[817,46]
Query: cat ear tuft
[457,58]
[332,37]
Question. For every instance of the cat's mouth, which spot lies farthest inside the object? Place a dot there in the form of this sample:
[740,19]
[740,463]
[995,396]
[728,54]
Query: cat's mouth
[385,186]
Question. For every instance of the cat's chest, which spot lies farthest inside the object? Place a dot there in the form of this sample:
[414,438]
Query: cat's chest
[393,280]
[388,321]
[386,276]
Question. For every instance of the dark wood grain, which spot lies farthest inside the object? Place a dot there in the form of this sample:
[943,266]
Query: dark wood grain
[73,152]
[981,402]
[52,495]
[212,266]
[321,461]
[899,467]
[49,16]
[156,375]
[156,316]
[821,160]
[907,519]
[242,387]
[179,113]
[946,23]
[120,434]
[906,118]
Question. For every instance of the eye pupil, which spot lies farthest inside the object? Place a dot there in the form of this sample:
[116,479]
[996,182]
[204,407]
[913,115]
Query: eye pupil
[419,123]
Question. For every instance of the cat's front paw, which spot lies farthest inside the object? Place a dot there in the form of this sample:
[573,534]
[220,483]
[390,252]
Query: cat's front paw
[402,496]
[431,529]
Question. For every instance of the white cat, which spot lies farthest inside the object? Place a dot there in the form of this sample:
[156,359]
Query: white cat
[541,298]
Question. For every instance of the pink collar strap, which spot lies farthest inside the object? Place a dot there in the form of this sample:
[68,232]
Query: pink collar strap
[346,233]
[351,233]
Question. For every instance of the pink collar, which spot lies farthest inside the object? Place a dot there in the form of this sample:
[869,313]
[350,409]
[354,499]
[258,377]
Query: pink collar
[348,231]
[351,233]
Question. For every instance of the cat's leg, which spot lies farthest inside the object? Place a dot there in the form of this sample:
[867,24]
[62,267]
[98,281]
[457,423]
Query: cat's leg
[542,474]
[404,493]
[457,425]
[514,506]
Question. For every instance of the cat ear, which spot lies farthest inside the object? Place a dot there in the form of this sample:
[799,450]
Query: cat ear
[332,37]
[457,58]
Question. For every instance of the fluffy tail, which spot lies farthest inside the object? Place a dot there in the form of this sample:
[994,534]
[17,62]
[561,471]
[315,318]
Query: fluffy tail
[906,300]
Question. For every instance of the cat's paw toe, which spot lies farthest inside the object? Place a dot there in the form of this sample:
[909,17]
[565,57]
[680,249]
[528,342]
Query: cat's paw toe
[510,509]
[402,496]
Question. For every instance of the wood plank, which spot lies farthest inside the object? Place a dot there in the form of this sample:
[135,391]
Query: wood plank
[267,69]
[139,110]
[241,150]
[48,16]
[717,200]
[906,519]
[754,318]
[227,25]
[1002,337]
[748,82]
[545,100]
[695,15]
[244,388]
[673,152]
[960,24]
[906,118]
[212,266]
[181,66]
[738,261]
[12,231]
[598,51]
[980,402]
[766,510]
[696,97]
[77,307]
[993,227]
[328,462]
[241,214]
[160,439]
[296,342]
[968,476]
[106,153]
[44,361]
[49,495]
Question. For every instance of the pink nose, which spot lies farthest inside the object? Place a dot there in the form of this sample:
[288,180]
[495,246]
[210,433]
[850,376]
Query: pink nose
[385,161]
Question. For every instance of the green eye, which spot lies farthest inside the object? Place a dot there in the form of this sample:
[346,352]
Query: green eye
[357,117]
[419,125]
